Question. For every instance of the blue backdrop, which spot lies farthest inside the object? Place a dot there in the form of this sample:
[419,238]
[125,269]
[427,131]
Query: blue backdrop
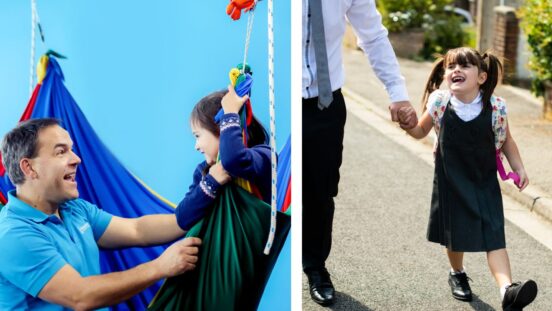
[137,68]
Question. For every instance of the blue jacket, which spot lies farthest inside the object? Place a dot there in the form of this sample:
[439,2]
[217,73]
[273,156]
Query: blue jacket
[252,164]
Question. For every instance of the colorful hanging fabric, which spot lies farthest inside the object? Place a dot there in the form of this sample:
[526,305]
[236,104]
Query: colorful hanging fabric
[101,178]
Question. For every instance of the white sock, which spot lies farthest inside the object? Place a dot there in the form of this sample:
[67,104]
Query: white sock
[503,290]
[453,272]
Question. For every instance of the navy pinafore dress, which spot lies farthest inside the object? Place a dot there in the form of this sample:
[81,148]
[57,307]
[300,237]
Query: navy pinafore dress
[466,212]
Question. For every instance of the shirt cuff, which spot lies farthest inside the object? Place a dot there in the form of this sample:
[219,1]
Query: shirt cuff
[397,92]
[229,120]
[209,186]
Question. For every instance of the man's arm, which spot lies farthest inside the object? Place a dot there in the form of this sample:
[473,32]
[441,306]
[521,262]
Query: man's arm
[373,40]
[68,288]
[142,231]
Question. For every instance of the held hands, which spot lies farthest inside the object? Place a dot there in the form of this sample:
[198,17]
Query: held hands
[404,113]
[219,173]
[179,257]
[231,102]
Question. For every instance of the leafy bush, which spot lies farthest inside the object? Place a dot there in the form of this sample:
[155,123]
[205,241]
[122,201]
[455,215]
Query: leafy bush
[537,25]
[402,14]
[441,34]
[442,29]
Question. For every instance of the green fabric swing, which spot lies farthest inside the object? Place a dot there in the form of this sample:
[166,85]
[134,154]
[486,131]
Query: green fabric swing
[232,270]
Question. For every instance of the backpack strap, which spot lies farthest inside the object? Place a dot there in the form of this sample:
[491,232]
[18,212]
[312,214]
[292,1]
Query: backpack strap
[500,126]
[438,101]
[500,122]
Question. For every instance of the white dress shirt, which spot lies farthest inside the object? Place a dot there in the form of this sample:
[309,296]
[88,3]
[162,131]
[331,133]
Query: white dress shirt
[372,38]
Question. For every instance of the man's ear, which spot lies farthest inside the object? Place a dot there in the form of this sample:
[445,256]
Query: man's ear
[482,78]
[26,167]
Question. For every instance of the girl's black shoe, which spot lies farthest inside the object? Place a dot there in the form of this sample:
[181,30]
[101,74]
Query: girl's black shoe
[518,295]
[459,286]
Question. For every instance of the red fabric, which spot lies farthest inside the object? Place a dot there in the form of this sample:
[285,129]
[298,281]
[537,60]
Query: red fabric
[2,168]
[287,199]
[248,112]
[30,106]
[26,116]
[3,200]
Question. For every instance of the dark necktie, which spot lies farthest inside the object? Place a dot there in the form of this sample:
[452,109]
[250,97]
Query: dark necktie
[325,97]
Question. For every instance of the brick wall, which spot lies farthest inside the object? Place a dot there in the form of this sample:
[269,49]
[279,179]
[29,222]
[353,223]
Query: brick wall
[505,43]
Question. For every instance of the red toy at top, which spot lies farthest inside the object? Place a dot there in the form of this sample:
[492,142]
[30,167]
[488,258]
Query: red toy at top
[235,6]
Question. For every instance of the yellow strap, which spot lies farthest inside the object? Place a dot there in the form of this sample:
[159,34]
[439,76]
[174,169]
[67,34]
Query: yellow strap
[41,68]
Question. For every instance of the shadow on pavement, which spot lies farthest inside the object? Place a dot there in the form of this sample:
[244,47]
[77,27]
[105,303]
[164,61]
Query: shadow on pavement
[480,305]
[346,302]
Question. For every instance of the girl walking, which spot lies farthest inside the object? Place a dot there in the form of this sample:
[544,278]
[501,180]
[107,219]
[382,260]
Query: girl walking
[466,206]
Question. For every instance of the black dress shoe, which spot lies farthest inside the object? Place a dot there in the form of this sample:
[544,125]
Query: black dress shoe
[518,295]
[320,286]
[459,286]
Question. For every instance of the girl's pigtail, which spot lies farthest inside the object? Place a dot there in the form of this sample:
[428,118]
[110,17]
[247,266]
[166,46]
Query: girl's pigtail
[494,72]
[434,81]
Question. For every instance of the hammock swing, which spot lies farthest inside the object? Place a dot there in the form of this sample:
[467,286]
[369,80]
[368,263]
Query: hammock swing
[105,182]
[232,268]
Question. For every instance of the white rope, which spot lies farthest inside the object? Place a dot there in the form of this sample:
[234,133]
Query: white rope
[272,127]
[250,18]
[34,18]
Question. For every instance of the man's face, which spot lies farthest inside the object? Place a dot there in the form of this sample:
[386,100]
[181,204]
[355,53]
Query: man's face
[55,166]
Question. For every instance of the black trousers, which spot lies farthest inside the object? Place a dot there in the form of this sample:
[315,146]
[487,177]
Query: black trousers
[322,156]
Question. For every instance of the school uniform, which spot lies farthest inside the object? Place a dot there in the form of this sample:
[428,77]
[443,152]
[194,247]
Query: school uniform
[466,206]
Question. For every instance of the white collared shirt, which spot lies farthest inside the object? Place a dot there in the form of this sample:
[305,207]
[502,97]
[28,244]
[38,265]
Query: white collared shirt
[372,38]
[467,111]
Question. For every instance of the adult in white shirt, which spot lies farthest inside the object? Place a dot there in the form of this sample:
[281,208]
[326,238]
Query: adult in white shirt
[323,128]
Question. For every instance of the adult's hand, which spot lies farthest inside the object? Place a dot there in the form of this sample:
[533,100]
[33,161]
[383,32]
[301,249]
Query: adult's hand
[179,257]
[408,119]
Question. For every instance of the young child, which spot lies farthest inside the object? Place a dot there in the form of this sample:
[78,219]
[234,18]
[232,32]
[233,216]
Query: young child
[466,205]
[252,162]
[232,220]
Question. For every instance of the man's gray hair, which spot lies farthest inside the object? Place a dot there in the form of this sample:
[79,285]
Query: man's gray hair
[21,142]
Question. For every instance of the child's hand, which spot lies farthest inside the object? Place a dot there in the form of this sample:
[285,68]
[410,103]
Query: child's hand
[523,179]
[231,102]
[219,173]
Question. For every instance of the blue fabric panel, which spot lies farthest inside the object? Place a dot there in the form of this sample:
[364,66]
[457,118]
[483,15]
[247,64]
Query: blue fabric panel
[101,178]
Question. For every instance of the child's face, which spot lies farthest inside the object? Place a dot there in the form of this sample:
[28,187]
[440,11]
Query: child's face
[206,143]
[464,79]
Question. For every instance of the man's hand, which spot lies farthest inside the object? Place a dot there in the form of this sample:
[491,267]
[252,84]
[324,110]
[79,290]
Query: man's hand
[219,173]
[405,115]
[231,102]
[179,257]
[407,119]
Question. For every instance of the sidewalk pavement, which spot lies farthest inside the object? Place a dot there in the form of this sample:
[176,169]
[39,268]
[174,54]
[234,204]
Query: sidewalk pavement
[532,133]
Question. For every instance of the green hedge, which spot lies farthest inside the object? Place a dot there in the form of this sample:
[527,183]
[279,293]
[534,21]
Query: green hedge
[537,25]
[443,30]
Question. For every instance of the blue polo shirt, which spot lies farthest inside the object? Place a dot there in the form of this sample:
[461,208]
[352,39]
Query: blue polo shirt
[34,246]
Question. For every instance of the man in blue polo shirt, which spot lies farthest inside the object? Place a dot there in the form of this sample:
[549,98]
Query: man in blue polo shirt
[49,257]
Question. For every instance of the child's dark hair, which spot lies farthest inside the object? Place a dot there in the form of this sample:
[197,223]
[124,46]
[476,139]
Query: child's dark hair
[204,113]
[487,62]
